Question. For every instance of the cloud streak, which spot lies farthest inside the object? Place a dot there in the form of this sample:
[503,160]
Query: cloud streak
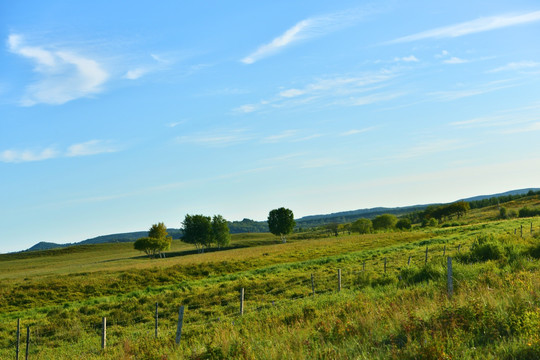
[471,27]
[64,75]
[92,147]
[303,30]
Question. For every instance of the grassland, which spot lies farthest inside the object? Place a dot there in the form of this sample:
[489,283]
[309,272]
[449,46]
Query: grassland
[405,313]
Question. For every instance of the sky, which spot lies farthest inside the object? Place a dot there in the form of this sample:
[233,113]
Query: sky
[118,115]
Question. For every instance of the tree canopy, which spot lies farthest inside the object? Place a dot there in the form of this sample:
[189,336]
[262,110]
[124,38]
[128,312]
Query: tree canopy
[220,229]
[281,222]
[203,231]
[158,240]
[384,222]
[362,226]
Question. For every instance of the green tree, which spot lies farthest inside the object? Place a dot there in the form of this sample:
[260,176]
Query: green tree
[362,226]
[403,224]
[158,240]
[152,246]
[333,228]
[281,222]
[384,222]
[158,231]
[198,231]
[220,230]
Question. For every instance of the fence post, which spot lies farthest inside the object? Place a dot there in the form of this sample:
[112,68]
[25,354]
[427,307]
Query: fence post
[449,276]
[531,228]
[27,341]
[156,323]
[444,251]
[180,323]
[312,284]
[364,266]
[339,279]
[409,261]
[425,261]
[18,338]
[458,247]
[385,265]
[104,332]
[515,230]
[242,301]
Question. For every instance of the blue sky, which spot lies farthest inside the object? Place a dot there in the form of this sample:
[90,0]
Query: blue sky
[118,115]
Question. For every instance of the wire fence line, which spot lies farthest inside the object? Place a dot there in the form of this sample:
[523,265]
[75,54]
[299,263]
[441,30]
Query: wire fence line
[323,280]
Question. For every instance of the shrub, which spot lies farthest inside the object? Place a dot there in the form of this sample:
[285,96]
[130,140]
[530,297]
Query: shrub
[429,272]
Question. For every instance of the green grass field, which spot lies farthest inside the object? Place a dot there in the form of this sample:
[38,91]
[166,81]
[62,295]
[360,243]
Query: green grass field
[403,313]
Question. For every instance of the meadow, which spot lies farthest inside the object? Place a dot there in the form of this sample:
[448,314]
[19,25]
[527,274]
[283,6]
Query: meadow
[404,312]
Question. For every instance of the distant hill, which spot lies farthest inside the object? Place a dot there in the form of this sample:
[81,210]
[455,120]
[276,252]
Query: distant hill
[512,192]
[248,225]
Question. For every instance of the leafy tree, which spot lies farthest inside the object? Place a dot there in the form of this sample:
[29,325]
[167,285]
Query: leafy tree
[403,224]
[220,231]
[503,213]
[281,222]
[152,246]
[198,231]
[333,228]
[362,226]
[158,231]
[158,240]
[384,222]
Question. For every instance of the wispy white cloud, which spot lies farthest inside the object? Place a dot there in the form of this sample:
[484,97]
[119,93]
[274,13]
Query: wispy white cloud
[455,60]
[410,58]
[518,66]
[535,126]
[442,54]
[356,131]
[321,162]
[471,27]
[287,134]
[160,63]
[19,156]
[92,147]
[332,90]
[430,147]
[303,30]
[370,99]
[64,75]
[219,138]
[473,90]
[514,118]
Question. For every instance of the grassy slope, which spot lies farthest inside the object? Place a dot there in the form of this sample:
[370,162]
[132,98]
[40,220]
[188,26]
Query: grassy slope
[68,291]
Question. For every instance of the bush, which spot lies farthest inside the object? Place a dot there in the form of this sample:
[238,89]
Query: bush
[413,275]
[486,248]
[526,212]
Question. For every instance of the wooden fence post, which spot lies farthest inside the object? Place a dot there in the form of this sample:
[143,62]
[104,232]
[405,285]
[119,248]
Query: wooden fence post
[339,279]
[515,231]
[425,261]
[312,284]
[242,301]
[385,265]
[156,323]
[444,251]
[180,324]
[18,338]
[364,265]
[409,261]
[458,247]
[27,341]
[104,333]
[449,277]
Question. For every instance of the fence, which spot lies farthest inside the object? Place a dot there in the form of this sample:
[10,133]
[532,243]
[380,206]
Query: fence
[313,284]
